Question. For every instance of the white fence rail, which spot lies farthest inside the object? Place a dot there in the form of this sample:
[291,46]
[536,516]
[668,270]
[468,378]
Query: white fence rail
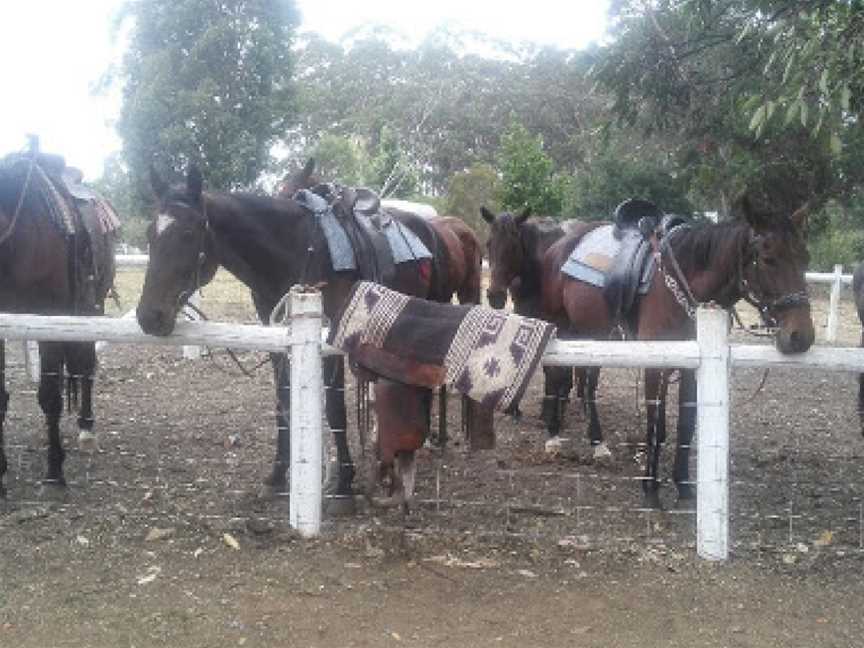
[302,341]
[711,355]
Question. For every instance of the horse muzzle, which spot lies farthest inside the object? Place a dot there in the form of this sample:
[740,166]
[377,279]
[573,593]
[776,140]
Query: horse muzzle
[795,341]
[155,321]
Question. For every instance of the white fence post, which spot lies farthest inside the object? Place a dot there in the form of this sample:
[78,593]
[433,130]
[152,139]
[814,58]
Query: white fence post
[31,360]
[834,304]
[191,352]
[712,428]
[306,411]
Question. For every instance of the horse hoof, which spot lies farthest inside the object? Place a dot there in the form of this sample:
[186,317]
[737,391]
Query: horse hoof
[602,453]
[340,506]
[553,445]
[686,504]
[276,481]
[394,501]
[652,501]
[88,442]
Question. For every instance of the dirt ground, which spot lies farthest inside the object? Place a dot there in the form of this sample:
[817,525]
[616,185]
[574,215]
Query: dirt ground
[165,537]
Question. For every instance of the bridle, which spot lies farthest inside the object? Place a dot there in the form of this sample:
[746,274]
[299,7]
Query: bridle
[769,309]
[184,295]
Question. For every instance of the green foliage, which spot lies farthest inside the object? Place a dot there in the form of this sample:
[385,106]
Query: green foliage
[469,190]
[391,172]
[836,234]
[712,75]
[116,187]
[340,159]
[527,174]
[208,82]
[613,178]
[815,69]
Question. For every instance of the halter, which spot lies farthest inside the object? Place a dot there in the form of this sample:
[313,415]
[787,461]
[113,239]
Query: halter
[680,288]
[202,256]
[768,310]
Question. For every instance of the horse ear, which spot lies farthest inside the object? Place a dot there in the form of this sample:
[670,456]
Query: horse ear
[487,215]
[744,207]
[309,168]
[521,218]
[194,183]
[800,218]
[160,187]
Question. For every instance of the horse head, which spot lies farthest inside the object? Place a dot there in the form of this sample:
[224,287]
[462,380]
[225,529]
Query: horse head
[773,274]
[302,179]
[505,252]
[182,255]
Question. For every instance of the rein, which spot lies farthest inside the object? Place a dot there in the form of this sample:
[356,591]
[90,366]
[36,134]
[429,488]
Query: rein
[5,236]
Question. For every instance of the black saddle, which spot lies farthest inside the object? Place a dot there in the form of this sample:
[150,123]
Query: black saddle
[635,221]
[359,212]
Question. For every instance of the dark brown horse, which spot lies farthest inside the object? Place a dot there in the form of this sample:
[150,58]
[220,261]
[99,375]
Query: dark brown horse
[858,292]
[515,248]
[270,244]
[462,255]
[50,265]
[761,258]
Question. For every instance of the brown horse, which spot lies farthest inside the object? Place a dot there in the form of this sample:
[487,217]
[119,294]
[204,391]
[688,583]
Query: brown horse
[462,253]
[515,248]
[50,265]
[461,244]
[761,258]
[270,244]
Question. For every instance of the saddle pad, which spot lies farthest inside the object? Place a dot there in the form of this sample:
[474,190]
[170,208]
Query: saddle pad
[405,245]
[593,256]
[488,355]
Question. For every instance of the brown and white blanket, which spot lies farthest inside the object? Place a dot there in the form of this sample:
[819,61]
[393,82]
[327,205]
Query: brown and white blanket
[488,355]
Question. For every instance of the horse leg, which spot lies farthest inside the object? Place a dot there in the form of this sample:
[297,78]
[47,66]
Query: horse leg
[406,470]
[861,393]
[442,417]
[341,501]
[4,402]
[277,480]
[81,364]
[51,402]
[595,433]
[655,406]
[558,381]
[686,427]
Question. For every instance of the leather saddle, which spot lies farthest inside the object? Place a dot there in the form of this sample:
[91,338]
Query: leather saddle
[360,214]
[635,222]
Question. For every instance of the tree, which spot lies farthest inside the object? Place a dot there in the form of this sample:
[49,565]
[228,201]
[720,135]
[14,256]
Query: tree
[469,190]
[527,174]
[208,82]
[815,69]
[694,71]
[340,159]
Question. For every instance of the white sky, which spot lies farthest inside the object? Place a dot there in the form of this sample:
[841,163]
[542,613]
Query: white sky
[52,52]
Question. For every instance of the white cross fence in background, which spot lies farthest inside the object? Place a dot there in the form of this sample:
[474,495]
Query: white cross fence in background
[710,354]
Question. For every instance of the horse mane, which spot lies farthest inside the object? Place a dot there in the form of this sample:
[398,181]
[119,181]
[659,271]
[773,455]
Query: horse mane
[698,246]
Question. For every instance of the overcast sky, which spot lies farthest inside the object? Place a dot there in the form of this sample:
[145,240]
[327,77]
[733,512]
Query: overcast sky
[54,51]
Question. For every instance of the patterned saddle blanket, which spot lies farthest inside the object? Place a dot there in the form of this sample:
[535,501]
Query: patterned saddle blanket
[488,355]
